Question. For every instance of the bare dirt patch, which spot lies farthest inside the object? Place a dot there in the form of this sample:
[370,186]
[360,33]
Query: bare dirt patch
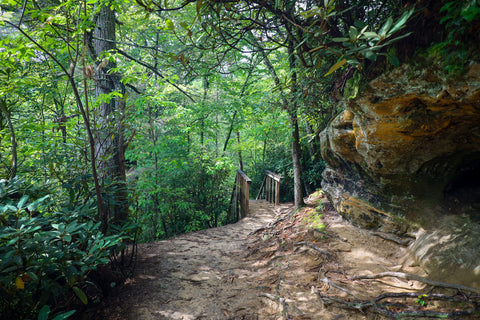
[280,264]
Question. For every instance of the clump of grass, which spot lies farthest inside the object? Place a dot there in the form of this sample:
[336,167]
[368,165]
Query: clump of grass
[313,216]
[313,219]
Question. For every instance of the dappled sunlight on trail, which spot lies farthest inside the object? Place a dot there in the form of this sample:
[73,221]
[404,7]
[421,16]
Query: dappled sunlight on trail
[278,263]
[199,275]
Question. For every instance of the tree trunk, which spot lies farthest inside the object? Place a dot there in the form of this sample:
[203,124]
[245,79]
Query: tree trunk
[240,161]
[229,131]
[109,141]
[296,154]
[3,109]
[206,85]
[312,141]
[292,112]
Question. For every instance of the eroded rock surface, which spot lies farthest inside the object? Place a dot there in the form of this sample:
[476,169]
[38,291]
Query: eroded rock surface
[405,158]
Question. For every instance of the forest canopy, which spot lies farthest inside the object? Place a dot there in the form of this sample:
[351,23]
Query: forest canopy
[125,121]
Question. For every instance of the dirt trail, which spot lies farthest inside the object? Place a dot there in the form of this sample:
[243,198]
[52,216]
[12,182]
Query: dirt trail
[198,275]
[278,264]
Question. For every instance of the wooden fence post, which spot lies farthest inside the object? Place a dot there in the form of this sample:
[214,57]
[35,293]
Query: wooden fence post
[271,187]
[243,181]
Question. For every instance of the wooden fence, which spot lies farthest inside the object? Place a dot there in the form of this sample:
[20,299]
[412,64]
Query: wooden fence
[240,197]
[270,189]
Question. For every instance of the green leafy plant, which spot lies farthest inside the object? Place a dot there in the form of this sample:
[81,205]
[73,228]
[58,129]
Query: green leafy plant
[461,17]
[358,43]
[46,256]
[421,300]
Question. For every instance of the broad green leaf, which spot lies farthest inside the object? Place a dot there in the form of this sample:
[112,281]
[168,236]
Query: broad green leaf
[13,241]
[8,207]
[336,66]
[383,31]
[44,312]
[471,13]
[395,39]
[327,3]
[369,54]
[22,202]
[362,31]
[169,24]
[447,6]
[80,294]
[353,62]
[358,49]
[353,32]
[34,205]
[401,22]
[393,60]
[65,315]
[370,35]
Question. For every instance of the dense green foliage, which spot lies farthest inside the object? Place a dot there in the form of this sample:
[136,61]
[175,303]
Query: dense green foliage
[461,19]
[48,250]
[200,88]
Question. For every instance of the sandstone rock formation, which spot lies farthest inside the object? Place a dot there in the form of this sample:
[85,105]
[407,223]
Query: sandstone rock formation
[405,158]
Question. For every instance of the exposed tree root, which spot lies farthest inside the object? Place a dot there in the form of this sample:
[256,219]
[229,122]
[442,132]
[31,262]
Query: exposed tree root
[279,298]
[391,237]
[311,245]
[325,280]
[330,235]
[256,231]
[344,298]
[399,310]
[414,277]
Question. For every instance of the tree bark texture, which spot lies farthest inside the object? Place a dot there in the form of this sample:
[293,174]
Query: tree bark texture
[109,141]
[292,112]
[296,155]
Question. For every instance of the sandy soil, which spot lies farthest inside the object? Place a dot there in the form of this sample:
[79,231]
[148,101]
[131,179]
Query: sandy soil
[274,264]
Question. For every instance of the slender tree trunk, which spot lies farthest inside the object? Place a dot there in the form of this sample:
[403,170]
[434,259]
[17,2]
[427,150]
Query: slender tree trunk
[230,131]
[312,142]
[296,154]
[3,109]
[296,148]
[240,161]
[242,92]
[206,85]
[110,144]
[292,112]
[264,151]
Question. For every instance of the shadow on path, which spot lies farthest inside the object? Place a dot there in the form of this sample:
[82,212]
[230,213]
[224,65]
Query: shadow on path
[199,275]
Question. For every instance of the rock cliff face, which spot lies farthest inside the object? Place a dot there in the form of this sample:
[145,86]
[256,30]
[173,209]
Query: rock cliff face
[405,158]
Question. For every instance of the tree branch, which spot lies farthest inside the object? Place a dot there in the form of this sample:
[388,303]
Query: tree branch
[126,55]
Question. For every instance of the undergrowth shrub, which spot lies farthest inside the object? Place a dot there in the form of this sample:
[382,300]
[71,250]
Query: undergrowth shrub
[193,196]
[461,20]
[46,254]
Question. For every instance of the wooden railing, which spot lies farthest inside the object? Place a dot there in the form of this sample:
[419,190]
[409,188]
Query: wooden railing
[240,197]
[270,189]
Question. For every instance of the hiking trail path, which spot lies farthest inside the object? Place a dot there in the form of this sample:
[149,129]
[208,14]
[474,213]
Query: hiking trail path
[277,263]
